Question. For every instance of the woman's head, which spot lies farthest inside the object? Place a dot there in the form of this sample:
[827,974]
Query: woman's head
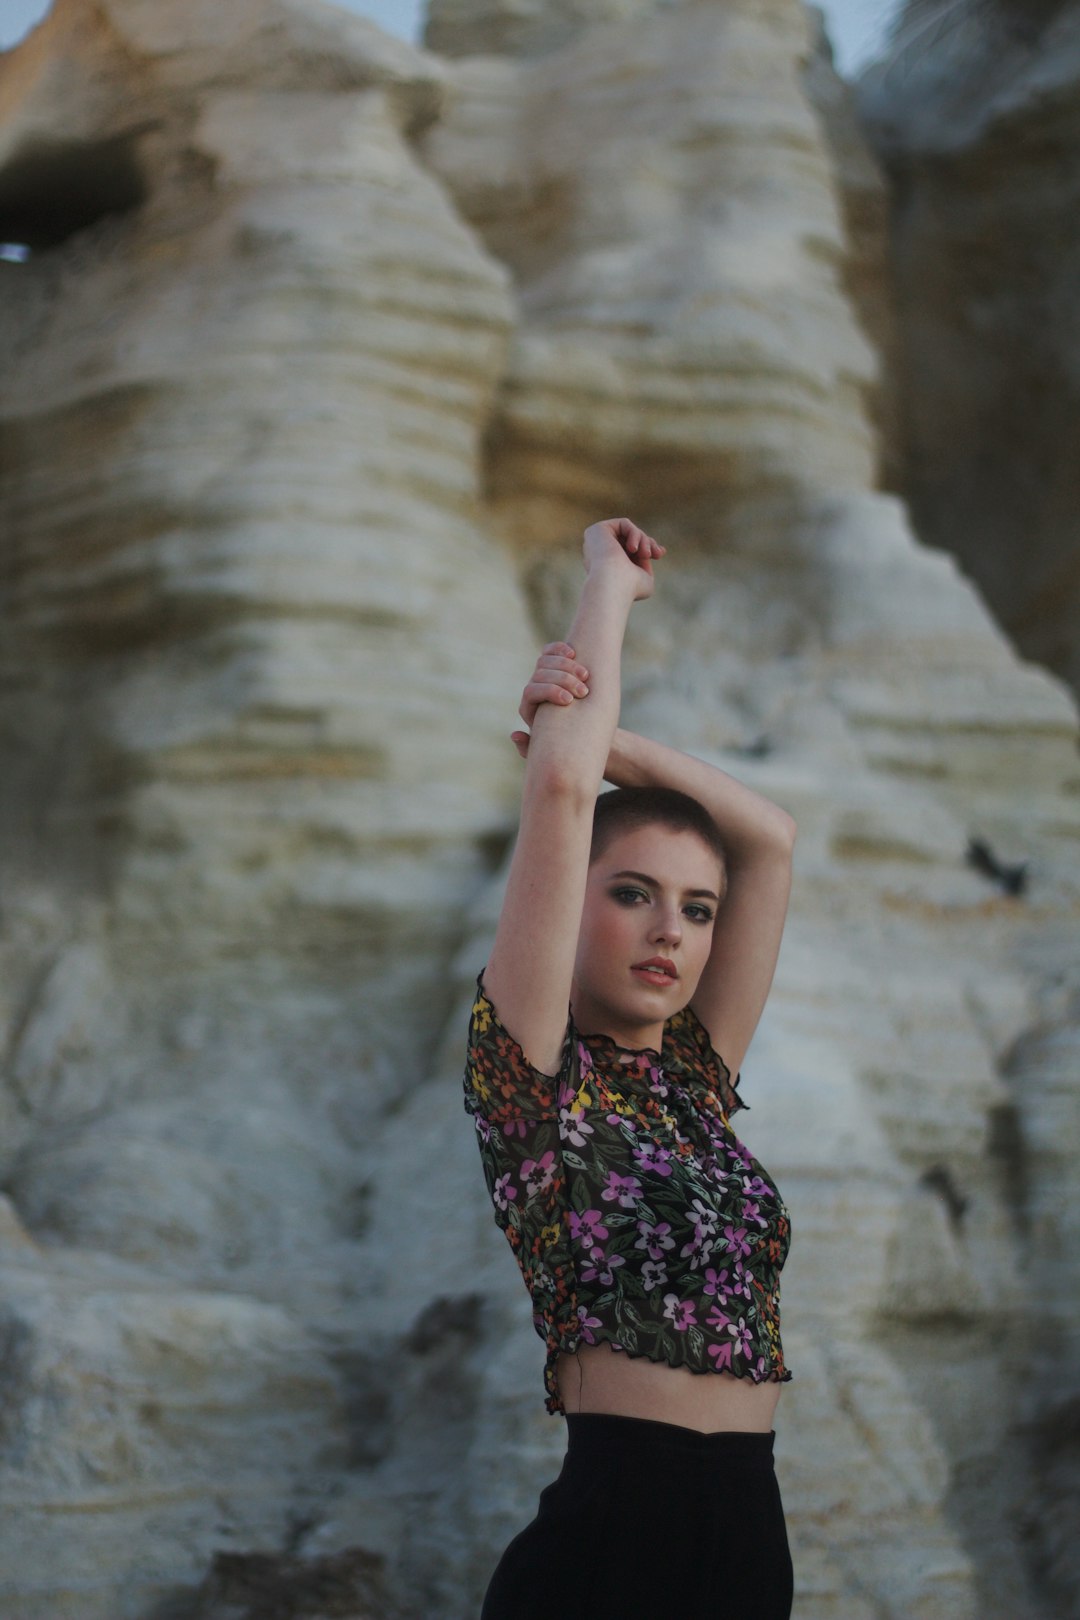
[656,880]
[626,809]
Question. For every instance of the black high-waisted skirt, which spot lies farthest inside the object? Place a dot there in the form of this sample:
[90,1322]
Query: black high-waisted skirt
[650,1521]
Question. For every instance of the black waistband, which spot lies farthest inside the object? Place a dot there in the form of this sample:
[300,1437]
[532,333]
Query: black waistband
[623,1439]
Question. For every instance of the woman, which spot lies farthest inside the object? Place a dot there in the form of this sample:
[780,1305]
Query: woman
[650,1240]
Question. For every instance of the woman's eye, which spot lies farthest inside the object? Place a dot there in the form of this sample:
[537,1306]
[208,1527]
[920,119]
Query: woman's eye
[628,897]
[699,914]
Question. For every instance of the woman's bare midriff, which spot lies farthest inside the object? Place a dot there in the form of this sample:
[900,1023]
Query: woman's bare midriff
[600,1379]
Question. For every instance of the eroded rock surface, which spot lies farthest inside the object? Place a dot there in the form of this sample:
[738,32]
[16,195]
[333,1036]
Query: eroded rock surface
[299,430]
[976,115]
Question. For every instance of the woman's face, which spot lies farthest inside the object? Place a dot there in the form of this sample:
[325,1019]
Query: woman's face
[646,932]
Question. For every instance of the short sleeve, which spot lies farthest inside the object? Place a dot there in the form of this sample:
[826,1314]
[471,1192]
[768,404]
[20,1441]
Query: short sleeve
[501,1084]
[687,1048]
[515,1109]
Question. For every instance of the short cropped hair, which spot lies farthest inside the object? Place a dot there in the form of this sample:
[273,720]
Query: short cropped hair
[626,809]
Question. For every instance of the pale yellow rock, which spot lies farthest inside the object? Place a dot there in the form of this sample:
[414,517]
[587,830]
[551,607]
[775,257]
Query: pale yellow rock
[250,601]
[691,251]
[300,428]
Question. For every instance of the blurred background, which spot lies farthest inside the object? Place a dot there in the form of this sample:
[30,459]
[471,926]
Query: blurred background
[324,333]
[857,28]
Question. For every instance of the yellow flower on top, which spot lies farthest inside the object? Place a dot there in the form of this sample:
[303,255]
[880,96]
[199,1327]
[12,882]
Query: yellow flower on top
[482,1014]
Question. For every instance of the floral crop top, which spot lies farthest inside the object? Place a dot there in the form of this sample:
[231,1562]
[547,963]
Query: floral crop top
[637,1217]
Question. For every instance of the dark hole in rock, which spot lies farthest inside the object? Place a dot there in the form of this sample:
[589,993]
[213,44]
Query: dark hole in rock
[49,189]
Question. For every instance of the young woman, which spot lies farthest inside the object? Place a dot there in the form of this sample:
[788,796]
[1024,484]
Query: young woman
[636,943]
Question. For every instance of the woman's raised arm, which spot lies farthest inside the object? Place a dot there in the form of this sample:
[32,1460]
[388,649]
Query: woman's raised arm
[530,970]
[758,837]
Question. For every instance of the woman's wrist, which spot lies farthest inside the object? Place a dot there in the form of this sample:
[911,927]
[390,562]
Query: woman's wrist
[614,572]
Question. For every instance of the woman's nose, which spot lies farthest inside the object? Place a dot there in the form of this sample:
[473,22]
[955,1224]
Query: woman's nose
[668,926]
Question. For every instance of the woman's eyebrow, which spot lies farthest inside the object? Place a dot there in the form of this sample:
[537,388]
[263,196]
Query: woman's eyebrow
[643,877]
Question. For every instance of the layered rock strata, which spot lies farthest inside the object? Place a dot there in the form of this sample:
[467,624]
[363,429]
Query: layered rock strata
[256,640]
[299,434]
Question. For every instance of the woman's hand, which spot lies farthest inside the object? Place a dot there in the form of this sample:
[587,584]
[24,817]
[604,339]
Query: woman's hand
[557,678]
[618,543]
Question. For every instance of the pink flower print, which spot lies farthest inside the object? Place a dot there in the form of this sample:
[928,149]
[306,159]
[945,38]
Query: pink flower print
[696,1242]
[484,1129]
[514,1127]
[653,1274]
[602,1267]
[588,1229]
[656,1083]
[716,1282]
[573,1126]
[742,1281]
[736,1239]
[754,1187]
[717,1319]
[744,1339]
[680,1311]
[586,1323]
[626,1190]
[502,1193]
[705,1220]
[752,1212]
[653,1158]
[721,1355]
[539,1174]
[654,1239]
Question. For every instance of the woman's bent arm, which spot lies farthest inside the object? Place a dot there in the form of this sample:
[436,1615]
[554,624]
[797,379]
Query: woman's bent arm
[759,838]
[530,969]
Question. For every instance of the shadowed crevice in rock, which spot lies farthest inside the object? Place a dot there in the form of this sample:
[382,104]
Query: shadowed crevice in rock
[51,189]
[974,117]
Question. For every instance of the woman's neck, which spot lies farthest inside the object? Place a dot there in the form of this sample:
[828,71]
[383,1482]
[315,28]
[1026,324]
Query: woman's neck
[591,1019]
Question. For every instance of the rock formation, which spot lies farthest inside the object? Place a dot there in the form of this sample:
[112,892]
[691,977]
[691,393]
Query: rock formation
[248,596]
[976,116]
[324,351]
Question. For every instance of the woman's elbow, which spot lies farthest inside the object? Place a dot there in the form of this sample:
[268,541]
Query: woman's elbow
[786,830]
[557,779]
[774,838]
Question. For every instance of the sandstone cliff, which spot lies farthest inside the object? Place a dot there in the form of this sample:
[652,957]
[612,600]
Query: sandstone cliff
[976,116]
[326,349]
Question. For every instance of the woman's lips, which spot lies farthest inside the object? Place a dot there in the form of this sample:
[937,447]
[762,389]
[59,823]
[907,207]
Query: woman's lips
[657,970]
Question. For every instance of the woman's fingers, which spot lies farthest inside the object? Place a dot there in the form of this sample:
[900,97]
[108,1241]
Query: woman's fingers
[558,656]
[635,542]
[520,740]
[552,686]
[557,678]
[566,676]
